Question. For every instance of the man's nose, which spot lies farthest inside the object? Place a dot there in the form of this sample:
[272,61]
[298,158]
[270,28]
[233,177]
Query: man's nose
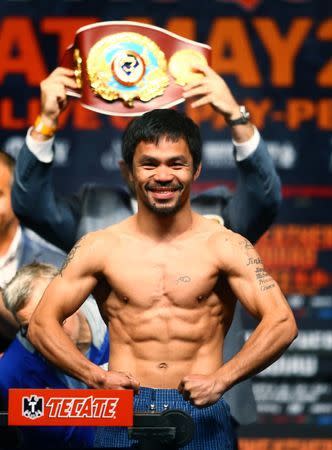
[163,174]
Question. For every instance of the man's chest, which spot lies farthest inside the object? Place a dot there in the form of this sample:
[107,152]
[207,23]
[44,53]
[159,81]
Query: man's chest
[178,275]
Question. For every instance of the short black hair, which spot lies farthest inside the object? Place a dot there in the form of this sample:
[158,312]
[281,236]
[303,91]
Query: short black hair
[161,123]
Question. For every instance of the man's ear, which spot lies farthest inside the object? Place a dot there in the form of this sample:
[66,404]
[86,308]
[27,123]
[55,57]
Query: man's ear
[198,171]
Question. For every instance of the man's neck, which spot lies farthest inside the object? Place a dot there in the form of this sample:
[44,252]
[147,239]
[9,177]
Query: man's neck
[7,237]
[162,228]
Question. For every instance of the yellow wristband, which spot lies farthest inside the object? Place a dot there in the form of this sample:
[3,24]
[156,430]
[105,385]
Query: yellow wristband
[42,128]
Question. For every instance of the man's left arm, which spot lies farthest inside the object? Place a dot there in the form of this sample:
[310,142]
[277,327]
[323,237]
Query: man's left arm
[243,272]
[256,200]
[261,296]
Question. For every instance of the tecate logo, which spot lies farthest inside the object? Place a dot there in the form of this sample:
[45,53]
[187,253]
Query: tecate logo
[82,407]
[71,407]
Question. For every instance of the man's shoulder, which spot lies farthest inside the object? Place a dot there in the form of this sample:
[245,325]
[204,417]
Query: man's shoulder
[211,230]
[100,238]
[112,237]
[223,240]
[229,237]
[231,249]
[118,228]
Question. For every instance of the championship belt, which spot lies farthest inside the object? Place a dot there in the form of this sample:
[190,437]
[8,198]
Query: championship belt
[128,68]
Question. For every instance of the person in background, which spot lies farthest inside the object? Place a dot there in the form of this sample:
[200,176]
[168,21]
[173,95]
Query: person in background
[18,246]
[22,366]
[249,210]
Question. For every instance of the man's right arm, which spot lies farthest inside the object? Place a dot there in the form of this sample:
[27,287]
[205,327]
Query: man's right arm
[78,277]
[33,197]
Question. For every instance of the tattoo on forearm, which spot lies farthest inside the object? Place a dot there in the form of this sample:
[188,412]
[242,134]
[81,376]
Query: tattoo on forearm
[265,281]
[183,279]
[70,255]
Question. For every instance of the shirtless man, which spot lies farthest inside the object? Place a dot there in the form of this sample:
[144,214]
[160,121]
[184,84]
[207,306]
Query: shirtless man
[166,281]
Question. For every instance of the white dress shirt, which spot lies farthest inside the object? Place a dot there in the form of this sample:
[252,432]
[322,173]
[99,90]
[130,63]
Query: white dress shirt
[9,261]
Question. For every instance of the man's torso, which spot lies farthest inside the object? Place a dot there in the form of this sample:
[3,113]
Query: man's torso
[168,309]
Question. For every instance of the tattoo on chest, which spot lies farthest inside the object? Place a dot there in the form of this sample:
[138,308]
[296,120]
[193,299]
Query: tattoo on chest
[70,255]
[183,279]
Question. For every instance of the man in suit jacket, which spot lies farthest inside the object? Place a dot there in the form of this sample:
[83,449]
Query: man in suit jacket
[249,211]
[18,246]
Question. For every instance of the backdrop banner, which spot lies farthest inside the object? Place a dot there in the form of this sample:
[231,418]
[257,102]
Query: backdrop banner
[276,57]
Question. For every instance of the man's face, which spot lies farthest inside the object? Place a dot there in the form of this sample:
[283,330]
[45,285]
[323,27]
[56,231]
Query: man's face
[7,217]
[162,175]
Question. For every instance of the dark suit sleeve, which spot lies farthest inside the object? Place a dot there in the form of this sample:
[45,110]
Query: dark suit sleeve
[36,205]
[256,201]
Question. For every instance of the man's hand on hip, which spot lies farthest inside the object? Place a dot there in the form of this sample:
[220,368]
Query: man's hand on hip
[120,380]
[200,390]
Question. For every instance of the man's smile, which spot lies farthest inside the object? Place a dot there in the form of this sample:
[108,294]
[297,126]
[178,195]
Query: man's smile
[163,192]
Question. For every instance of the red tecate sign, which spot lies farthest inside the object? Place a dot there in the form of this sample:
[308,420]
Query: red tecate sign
[93,407]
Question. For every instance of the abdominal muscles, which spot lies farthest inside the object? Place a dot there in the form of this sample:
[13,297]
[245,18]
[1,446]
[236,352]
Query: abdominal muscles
[161,344]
